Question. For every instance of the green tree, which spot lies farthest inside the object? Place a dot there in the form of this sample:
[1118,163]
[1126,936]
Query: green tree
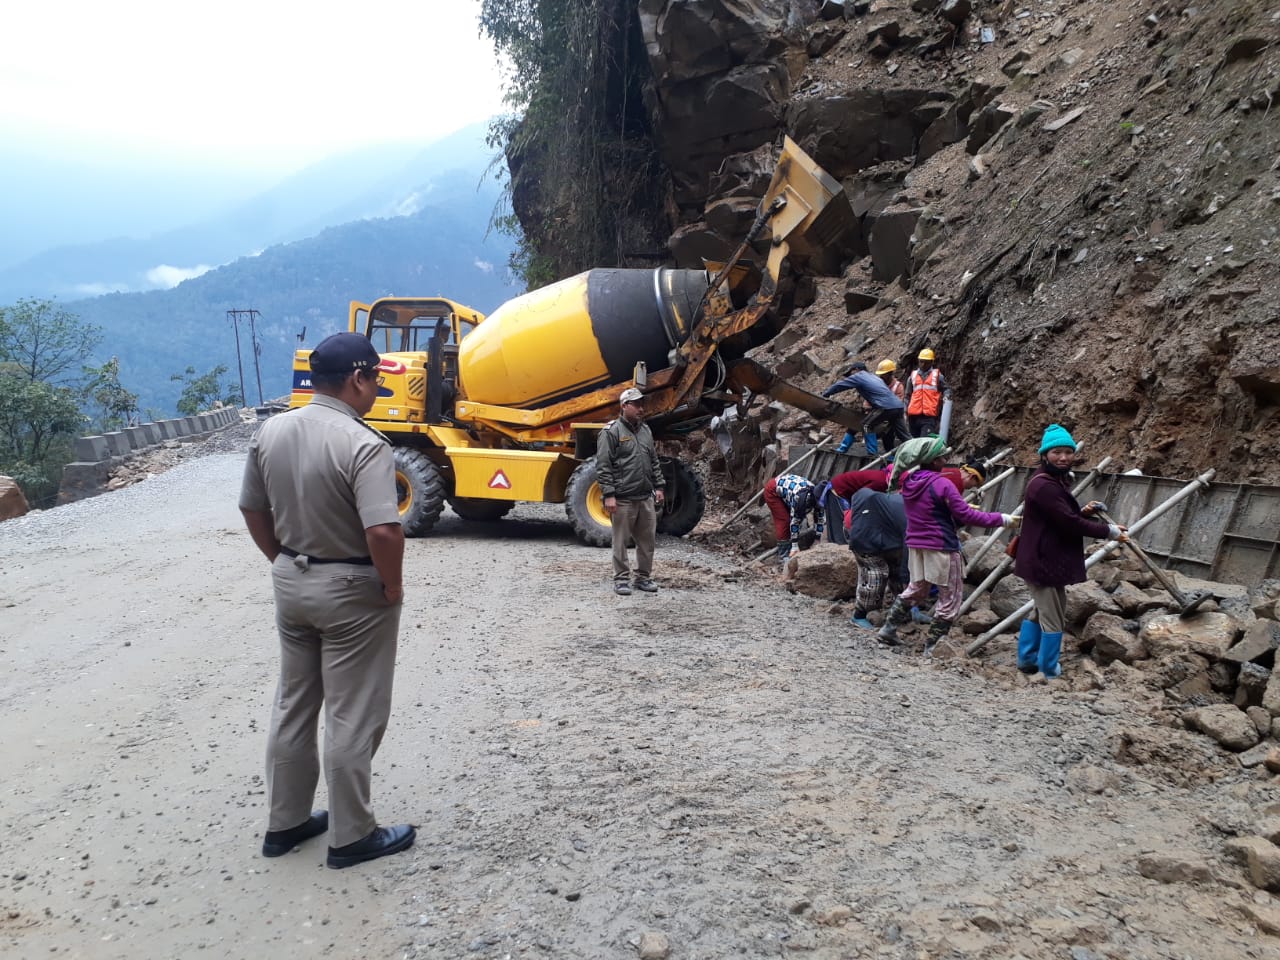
[112,405]
[44,340]
[200,392]
[42,351]
[38,424]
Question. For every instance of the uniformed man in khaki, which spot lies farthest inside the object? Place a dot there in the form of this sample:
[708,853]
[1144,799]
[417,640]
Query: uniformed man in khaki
[319,499]
[631,481]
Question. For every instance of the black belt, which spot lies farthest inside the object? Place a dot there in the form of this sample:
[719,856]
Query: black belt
[360,561]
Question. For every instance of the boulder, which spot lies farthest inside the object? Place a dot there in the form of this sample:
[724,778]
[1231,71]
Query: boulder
[1263,597]
[1226,724]
[1271,695]
[1251,685]
[1086,599]
[1261,858]
[1261,718]
[1009,595]
[1111,641]
[1208,634]
[976,573]
[890,242]
[827,571]
[1176,669]
[986,123]
[1220,591]
[1260,640]
[13,503]
[1132,601]
[977,622]
[862,127]
[1174,869]
[731,216]
[856,299]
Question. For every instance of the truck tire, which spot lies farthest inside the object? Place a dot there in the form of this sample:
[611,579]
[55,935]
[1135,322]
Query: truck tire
[685,499]
[478,510]
[584,505]
[419,490]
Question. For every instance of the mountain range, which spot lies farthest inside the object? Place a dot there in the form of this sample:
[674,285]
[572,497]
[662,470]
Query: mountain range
[405,220]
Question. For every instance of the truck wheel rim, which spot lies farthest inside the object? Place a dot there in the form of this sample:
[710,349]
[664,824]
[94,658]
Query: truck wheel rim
[404,493]
[595,506]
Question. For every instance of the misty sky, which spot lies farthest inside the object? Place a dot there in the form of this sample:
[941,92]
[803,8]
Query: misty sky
[254,85]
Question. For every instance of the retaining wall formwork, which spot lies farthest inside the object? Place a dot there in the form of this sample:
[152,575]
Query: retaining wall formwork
[1229,532]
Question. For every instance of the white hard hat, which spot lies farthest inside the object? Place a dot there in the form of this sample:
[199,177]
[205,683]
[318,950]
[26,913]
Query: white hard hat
[631,395]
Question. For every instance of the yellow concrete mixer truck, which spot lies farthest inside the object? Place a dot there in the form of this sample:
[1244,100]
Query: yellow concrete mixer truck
[485,412]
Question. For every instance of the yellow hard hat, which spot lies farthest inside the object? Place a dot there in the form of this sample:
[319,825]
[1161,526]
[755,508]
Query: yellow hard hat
[886,366]
[925,354]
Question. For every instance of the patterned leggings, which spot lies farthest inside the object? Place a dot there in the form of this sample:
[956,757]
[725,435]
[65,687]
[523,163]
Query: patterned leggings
[873,576]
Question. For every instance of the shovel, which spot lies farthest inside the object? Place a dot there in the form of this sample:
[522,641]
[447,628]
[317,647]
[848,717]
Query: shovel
[1187,605]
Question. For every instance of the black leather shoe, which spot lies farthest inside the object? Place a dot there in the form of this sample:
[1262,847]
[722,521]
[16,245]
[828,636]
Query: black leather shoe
[382,842]
[277,843]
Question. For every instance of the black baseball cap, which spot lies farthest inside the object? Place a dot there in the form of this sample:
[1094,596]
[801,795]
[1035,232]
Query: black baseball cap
[343,353]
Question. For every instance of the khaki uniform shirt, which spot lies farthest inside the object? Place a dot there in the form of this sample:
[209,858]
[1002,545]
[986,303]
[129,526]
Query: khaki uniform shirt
[325,475]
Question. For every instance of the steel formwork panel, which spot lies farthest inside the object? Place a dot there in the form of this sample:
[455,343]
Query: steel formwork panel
[1229,532]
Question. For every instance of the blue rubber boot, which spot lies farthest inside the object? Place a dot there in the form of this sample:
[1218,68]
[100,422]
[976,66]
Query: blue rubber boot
[862,621]
[869,441]
[919,616]
[1029,646]
[846,443]
[1050,648]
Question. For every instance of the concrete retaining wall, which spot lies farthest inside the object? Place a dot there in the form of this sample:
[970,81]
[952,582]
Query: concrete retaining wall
[96,456]
[132,439]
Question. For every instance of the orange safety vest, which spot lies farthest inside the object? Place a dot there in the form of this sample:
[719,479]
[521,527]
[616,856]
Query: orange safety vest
[926,398]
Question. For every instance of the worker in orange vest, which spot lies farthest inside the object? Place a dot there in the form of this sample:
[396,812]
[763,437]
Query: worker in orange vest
[926,388]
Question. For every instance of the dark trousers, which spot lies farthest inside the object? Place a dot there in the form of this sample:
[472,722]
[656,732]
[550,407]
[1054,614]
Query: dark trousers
[922,425]
[889,425]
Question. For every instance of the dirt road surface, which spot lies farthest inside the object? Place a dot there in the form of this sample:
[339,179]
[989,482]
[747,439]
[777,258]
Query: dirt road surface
[720,770]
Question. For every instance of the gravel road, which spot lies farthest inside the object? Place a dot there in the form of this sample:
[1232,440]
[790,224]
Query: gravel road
[722,768]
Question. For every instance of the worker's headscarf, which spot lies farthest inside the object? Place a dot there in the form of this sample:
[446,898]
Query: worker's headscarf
[914,454]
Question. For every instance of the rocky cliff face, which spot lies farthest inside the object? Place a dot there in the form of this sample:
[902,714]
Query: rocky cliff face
[1075,203]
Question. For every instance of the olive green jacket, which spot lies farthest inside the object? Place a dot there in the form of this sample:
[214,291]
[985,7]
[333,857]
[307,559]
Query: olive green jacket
[627,462]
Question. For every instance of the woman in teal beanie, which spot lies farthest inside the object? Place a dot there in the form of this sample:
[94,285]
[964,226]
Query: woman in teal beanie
[1051,550]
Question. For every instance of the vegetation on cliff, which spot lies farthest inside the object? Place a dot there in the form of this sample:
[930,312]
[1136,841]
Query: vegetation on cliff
[586,185]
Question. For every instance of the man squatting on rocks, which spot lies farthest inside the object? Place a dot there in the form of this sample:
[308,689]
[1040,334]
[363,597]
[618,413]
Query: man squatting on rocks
[791,498]
[319,499]
[1051,550]
[631,481]
[934,509]
[887,417]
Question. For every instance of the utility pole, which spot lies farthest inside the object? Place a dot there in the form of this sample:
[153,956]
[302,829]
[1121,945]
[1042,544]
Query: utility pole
[234,317]
[252,316]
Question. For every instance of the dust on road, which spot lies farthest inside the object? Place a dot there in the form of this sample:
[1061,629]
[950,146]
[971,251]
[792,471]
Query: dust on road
[723,764]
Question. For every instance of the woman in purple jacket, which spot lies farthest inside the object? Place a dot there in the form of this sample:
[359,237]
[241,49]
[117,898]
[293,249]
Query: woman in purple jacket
[1051,551]
[934,510]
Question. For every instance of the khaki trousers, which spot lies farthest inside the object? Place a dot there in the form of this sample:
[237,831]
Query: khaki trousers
[634,520]
[1051,607]
[337,650]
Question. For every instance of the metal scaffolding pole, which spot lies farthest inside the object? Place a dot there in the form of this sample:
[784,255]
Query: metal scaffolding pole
[1200,482]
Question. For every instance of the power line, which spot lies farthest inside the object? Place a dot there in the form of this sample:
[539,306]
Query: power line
[252,316]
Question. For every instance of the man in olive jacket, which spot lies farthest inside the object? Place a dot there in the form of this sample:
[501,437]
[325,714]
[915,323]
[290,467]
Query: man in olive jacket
[631,481]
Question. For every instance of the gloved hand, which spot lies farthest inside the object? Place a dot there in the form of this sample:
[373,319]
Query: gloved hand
[1118,532]
[1010,521]
[1092,507]
[795,551]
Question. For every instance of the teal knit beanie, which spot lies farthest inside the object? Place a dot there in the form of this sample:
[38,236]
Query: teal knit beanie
[1056,436]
